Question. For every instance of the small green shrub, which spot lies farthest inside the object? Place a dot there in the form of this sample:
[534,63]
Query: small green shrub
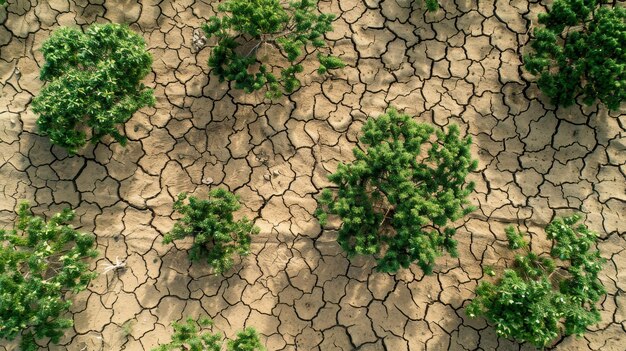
[580,50]
[217,236]
[39,263]
[188,336]
[432,5]
[247,25]
[94,84]
[536,301]
[394,202]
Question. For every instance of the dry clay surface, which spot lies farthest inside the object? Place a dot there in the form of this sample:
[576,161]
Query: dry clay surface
[461,65]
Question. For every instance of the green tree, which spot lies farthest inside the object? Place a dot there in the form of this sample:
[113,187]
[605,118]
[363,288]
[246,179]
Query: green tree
[580,51]
[189,337]
[396,203]
[217,236]
[247,25]
[39,263]
[94,84]
[544,296]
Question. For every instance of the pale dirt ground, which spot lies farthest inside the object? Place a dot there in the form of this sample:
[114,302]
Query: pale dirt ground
[461,65]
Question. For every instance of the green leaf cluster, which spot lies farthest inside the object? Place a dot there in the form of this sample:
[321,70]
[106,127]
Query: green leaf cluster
[189,337]
[536,301]
[247,25]
[217,236]
[94,83]
[581,50]
[432,5]
[396,203]
[39,263]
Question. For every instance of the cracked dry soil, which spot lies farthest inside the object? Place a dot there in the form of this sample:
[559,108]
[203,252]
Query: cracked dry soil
[461,65]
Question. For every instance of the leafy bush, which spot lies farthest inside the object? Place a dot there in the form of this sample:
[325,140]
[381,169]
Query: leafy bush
[94,78]
[432,5]
[247,25]
[210,222]
[580,50]
[395,203]
[536,300]
[187,336]
[39,263]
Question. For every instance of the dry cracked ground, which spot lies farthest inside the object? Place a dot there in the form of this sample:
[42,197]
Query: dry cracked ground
[461,65]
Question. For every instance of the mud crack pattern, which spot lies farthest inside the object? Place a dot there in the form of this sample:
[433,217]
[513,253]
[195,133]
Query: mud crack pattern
[461,65]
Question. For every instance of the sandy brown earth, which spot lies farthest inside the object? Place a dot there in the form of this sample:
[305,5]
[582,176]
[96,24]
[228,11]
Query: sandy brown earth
[460,65]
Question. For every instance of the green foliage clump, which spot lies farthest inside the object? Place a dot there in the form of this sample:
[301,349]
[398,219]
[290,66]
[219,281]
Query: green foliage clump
[581,50]
[536,301]
[217,236]
[188,336]
[94,84]
[432,5]
[39,263]
[395,203]
[247,25]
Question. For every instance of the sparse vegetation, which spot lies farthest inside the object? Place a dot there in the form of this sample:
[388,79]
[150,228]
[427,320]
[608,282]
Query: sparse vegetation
[189,336]
[544,296]
[94,84]
[579,51]
[246,26]
[395,202]
[432,5]
[40,263]
[217,236]
[127,328]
